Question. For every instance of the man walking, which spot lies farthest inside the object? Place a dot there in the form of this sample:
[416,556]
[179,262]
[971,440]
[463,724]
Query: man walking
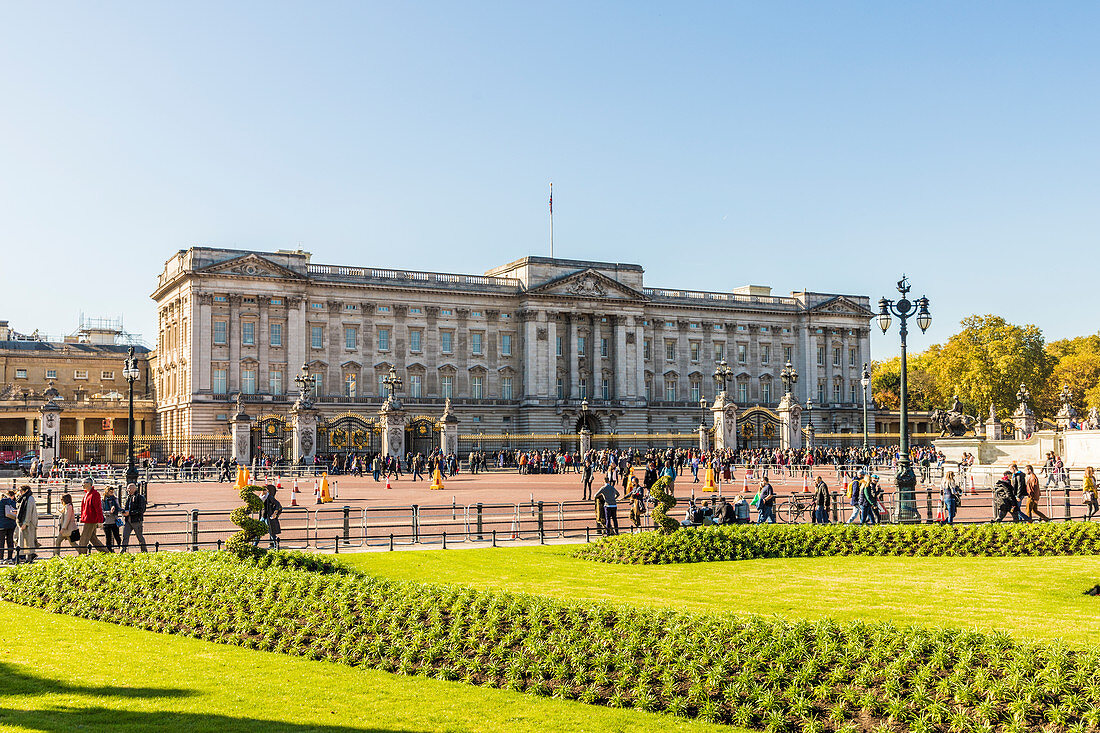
[586,479]
[767,503]
[133,512]
[610,497]
[91,514]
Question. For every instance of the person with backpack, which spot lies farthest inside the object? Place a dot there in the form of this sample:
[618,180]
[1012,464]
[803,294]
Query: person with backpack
[951,494]
[1004,498]
[1088,493]
[133,515]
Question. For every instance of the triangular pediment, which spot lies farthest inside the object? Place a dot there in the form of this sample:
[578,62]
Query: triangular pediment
[587,283]
[841,305]
[251,265]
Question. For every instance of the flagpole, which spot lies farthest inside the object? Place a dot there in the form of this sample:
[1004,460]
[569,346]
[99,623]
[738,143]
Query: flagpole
[551,220]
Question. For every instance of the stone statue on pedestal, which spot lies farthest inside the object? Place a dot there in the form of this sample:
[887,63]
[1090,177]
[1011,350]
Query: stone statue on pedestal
[954,421]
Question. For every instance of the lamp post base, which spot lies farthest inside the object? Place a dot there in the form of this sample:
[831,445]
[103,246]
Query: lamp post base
[906,482]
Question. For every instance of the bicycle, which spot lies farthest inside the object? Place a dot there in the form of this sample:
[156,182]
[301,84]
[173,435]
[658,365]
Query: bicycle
[795,508]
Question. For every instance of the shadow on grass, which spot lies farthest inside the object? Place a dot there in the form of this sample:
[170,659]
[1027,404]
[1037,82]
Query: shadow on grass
[66,718]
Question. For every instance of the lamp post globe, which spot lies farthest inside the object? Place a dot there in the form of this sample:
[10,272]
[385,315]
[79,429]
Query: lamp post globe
[903,310]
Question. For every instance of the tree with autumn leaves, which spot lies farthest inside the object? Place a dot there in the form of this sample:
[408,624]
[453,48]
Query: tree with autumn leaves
[986,362]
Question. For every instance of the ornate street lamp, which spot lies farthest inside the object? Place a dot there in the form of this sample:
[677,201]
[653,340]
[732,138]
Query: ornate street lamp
[904,309]
[584,415]
[722,375]
[393,384]
[702,412]
[130,373]
[789,375]
[866,382]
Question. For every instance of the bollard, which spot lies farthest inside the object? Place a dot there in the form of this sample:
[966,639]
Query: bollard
[219,545]
[931,516]
[49,501]
[453,508]
[444,539]
[586,537]
[391,541]
[1067,503]
[542,531]
[494,538]
[479,535]
[156,546]
[836,497]
[336,544]
[415,527]
[194,530]
[347,523]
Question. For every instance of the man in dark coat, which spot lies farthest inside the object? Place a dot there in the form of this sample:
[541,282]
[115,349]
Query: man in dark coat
[1019,493]
[1004,498]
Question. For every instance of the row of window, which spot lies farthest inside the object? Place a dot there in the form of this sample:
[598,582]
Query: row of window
[250,385]
[77,374]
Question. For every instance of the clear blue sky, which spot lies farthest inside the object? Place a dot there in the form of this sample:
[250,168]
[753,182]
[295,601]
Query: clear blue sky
[820,145]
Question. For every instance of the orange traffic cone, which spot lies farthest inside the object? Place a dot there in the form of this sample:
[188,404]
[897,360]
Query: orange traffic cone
[294,494]
[388,486]
[805,483]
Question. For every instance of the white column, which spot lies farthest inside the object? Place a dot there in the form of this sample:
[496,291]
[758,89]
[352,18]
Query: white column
[530,355]
[621,390]
[549,384]
[574,362]
[639,353]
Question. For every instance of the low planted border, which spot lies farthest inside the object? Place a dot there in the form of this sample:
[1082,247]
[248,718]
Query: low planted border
[752,672]
[749,542]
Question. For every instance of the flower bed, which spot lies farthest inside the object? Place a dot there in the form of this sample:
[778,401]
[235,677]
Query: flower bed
[751,672]
[749,542]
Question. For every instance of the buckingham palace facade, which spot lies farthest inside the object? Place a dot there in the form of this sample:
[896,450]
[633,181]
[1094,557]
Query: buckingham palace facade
[516,349]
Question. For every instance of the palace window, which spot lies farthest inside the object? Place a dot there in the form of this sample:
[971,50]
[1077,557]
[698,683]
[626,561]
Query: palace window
[318,384]
[275,301]
[719,351]
[351,383]
[583,385]
[821,356]
[851,357]
[275,381]
[351,337]
[221,332]
[765,354]
[447,386]
[416,386]
[445,311]
[742,353]
[852,393]
[603,347]
[414,341]
[317,306]
[383,339]
[107,375]
[475,314]
[475,343]
[821,394]
[20,373]
[417,311]
[248,381]
[77,374]
[477,386]
[743,392]
[557,348]
[276,334]
[218,383]
[670,390]
[446,342]
[695,346]
[506,344]
[605,388]
[836,357]
[383,309]
[670,351]
[248,333]
[766,392]
[383,390]
[647,349]
[50,373]
[317,337]
[580,346]
[649,390]
[220,299]
[788,352]
[836,392]
[696,390]
[561,389]
[506,388]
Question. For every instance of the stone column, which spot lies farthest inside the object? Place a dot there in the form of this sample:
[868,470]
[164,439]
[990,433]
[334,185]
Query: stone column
[993,428]
[530,358]
[233,336]
[242,436]
[639,354]
[620,391]
[550,383]
[790,418]
[725,422]
[595,358]
[703,437]
[49,442]
[393,429]
[574,360]
[448,432]
[303,421]
[586,441]
[811,436]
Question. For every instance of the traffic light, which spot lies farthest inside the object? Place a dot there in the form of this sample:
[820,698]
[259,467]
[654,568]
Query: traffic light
[106,424]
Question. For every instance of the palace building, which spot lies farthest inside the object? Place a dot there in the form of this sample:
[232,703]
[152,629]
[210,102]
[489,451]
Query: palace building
[516,350]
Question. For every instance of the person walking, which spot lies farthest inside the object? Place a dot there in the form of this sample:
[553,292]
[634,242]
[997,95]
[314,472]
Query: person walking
[133,515]
[1004,499]
[270,515]
[610,496]
[91,515]
[1088,493]
[766,505]
[26,521]
[821,502]
[951,494]
[1031,482]
[8,512]
[586,480]
[67,530]
[112,508]
[855,491]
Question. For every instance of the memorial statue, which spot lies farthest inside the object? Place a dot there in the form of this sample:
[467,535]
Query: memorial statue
[1094,419]
[954,421]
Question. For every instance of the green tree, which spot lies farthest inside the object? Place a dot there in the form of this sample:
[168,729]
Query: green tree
[1077,367]
[988,360]
[886,382]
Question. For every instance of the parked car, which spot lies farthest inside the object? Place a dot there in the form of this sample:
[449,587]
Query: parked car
[27,459]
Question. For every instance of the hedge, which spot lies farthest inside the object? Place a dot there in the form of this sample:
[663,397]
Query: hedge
[752,672]
[749,542]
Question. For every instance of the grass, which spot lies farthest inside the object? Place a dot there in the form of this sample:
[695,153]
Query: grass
[1030,597]
[63,674]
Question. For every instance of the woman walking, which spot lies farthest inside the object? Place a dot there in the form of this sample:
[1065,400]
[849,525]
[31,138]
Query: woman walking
[1088,490]
[67,528]
[951,493]
[26,520]
[1031,482]
[111,510]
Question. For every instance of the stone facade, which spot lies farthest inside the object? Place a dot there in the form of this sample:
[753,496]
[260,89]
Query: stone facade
[516,349]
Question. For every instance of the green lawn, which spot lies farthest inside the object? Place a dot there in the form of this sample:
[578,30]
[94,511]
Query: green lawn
[64,674]
[1036,597]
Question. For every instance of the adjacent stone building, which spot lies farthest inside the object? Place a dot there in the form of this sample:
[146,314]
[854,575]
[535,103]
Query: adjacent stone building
[516,350]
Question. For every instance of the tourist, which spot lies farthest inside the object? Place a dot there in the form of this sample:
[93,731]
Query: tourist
[26,521]
[1004,498]
[1031,481]
[610,496]
[855,491]
[8,512]
[636,494]
[133,514]
[950,497]
[586,480]
[270,514]
[111,518]
[869,500]
[1019,492]
[67,529]
[766,504]
[821,502]
[1088,491]
[91,515]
